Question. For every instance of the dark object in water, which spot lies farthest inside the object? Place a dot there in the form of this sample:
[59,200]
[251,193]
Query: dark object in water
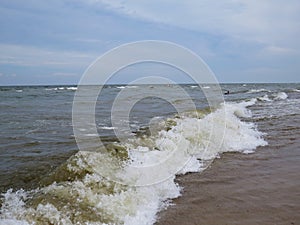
[226,93]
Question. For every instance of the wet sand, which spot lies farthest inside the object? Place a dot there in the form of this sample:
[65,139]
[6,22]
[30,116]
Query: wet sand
[259,188]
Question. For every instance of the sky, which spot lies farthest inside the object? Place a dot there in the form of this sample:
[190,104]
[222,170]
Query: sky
[53,42]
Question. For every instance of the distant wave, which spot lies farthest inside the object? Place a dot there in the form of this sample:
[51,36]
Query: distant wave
[258,90]
[128,86]
[264,98]
[107,128]
[273,97]
[61,88]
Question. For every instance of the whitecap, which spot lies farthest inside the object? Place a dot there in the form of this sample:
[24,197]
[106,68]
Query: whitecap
[264,98]
[72,88]
[258,90]
[107,128]
[280,96]
[91,135]
[131,86]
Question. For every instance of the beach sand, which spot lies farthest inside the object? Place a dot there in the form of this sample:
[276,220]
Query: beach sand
[258,188]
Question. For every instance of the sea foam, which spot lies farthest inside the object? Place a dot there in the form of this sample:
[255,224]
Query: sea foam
[280,96]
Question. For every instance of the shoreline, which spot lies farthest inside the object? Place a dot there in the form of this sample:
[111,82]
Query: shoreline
[258,188]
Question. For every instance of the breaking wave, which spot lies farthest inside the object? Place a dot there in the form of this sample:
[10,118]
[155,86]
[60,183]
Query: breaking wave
[76,193]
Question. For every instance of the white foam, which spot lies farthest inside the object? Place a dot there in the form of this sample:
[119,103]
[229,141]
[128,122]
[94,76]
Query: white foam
[13,222]
[13,205]
[128,86]
[276,96]
[131,86]
[91,135]
[258,90]
[107,128]
[264,98]
[61,88]
[51,89]
[72,88]
[280,96]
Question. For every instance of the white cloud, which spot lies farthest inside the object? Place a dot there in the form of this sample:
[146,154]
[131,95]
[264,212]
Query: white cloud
[280,51]
[229,34]
[270,22]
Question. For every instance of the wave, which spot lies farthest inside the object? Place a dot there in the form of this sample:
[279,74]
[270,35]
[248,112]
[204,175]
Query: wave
[61,88]
[107,128]
[131,86]
[77,193]
[72,88]
[264,98]
[128,86]
[51,89]
[258,90]
[273,97]
[280,96]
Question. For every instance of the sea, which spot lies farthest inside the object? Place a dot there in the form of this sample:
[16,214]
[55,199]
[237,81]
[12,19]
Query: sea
[47,178]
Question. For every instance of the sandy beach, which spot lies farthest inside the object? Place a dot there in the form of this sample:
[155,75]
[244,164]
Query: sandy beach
[259,188]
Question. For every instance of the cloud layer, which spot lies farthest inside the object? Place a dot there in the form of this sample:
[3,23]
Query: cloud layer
[241,40]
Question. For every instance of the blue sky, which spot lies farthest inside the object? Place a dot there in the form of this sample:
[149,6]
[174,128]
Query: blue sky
[53,42]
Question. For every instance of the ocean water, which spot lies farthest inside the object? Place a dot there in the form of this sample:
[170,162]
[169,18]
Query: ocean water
[46,179]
